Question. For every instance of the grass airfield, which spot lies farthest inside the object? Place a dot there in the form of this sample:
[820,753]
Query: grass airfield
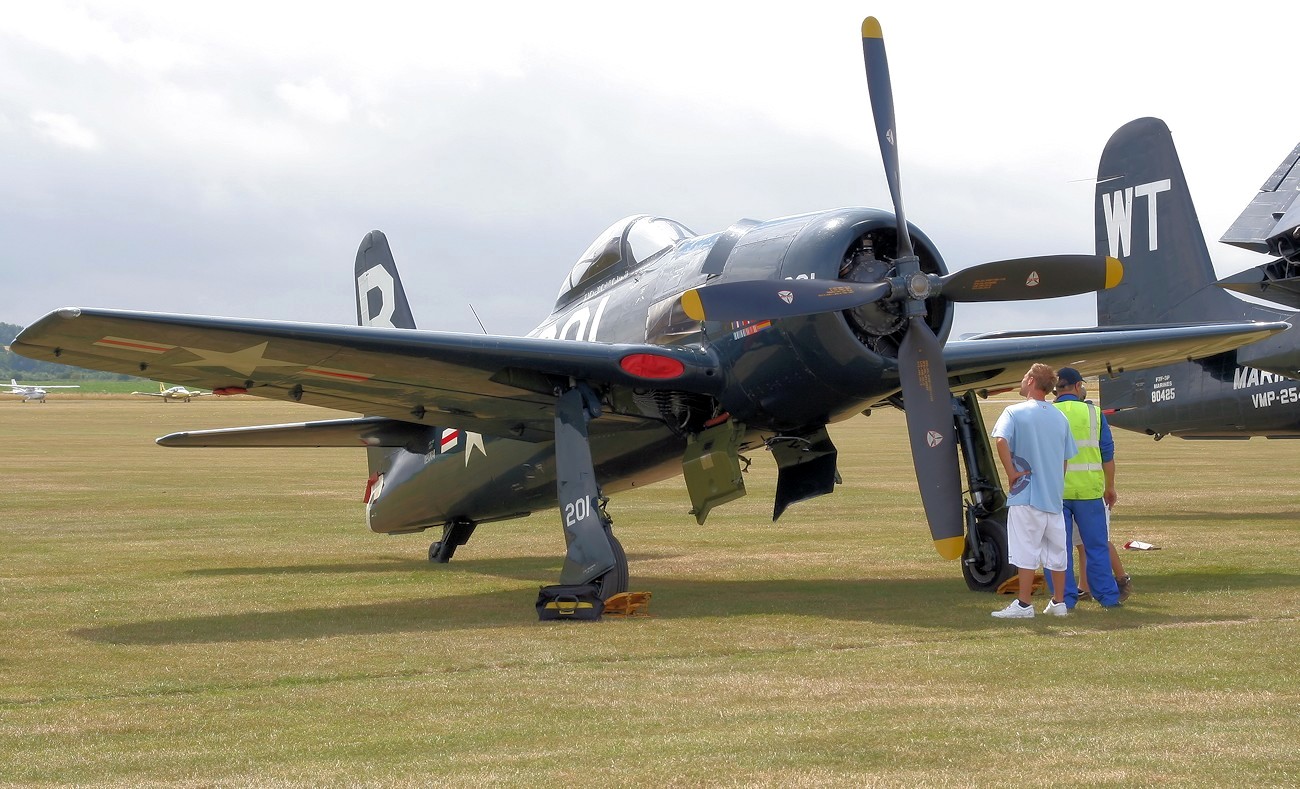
[223,617]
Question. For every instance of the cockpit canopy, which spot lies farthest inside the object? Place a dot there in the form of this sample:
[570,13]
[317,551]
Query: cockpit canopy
[623,246]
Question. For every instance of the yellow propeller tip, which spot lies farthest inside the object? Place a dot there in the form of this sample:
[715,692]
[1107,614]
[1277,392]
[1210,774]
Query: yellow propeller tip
[871,28]
[691,305]
[1114,272]
[950,547]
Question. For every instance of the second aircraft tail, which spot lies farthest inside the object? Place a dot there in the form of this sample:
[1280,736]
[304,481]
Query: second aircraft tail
[1145,216]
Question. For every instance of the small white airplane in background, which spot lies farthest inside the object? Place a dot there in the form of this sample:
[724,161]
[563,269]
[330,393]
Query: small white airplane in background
[33,392]
[179,393]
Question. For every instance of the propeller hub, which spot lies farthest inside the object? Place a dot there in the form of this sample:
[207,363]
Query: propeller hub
[918,285]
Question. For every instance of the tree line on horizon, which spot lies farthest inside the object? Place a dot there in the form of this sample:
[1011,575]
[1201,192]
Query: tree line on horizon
[20,367]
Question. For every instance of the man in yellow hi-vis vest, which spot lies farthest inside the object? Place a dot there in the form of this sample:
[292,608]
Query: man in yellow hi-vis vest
[1089,489]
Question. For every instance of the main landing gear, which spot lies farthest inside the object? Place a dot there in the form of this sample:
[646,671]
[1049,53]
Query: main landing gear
[595,567]
[984,562]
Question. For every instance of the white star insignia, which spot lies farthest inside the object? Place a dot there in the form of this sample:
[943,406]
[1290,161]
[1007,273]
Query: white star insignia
[473,441]
[244,362]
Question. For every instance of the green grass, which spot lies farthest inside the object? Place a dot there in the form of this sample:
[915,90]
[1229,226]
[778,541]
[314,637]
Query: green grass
[223,617]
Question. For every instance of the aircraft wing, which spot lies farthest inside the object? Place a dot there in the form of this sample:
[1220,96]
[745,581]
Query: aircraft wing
[150,394]
[495,385]
[998,361]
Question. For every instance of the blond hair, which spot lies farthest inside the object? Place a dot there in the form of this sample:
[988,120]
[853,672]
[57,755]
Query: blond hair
[1044,377]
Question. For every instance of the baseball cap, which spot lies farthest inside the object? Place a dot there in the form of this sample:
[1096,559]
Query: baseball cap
[1068,376]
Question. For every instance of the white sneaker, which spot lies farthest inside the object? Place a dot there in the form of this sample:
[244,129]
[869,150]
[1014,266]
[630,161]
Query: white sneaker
[1054,608]
[1015,610]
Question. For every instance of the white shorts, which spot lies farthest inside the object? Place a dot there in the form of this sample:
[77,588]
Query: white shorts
[1036,538]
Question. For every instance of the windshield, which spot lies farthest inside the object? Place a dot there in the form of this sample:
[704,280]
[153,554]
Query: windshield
[622,246]
[651,235]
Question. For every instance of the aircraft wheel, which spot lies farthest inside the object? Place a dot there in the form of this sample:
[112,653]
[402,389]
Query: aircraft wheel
[615,581]
[986,572]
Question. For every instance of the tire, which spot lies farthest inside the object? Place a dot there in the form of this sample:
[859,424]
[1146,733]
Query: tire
[615,581]
[988,572]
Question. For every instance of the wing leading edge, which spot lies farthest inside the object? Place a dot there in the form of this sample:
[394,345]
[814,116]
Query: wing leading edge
[495,385]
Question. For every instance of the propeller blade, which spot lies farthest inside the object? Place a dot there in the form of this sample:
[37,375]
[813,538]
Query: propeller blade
[927,403]
[1045,277]
[761,299]
[882,111]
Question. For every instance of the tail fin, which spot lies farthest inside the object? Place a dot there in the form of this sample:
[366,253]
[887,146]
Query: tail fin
[1145,216]
[381,300]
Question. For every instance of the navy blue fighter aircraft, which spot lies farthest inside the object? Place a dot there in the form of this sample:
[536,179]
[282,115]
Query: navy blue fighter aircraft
[667,353]
[1144,213]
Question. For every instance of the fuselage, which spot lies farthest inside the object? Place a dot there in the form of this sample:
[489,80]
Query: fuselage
[1215,398]
[783,377]
[29,393]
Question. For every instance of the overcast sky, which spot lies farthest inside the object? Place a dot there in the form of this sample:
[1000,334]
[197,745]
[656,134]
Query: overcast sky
[227,158]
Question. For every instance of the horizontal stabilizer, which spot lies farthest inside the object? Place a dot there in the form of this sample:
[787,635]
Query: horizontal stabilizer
[355,432]
[1278,282]
[1269,214]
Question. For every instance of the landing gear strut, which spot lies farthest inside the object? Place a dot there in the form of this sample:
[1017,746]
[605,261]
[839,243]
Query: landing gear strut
[984,562]
[454,535]
[595,567]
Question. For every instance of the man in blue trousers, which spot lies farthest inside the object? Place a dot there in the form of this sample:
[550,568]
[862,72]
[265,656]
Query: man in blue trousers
[1089,489]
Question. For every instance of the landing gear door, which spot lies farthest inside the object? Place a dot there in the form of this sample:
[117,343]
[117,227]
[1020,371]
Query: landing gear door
[711,467]
[805,468]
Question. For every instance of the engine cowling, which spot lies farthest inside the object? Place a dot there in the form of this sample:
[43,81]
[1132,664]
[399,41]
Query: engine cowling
[799,372]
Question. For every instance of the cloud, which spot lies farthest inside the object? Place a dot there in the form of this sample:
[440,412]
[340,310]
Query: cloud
[316,100]
[85,35]
[242,155]
[65,130]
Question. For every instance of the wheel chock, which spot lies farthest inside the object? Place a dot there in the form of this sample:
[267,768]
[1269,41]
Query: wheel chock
[1012,585]
[627,604]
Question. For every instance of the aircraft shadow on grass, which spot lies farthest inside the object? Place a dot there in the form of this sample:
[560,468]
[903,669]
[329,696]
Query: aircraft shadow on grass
[525,568]
[938,604]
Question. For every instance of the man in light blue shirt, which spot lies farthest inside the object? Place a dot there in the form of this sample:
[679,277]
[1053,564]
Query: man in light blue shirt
[1034,442]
